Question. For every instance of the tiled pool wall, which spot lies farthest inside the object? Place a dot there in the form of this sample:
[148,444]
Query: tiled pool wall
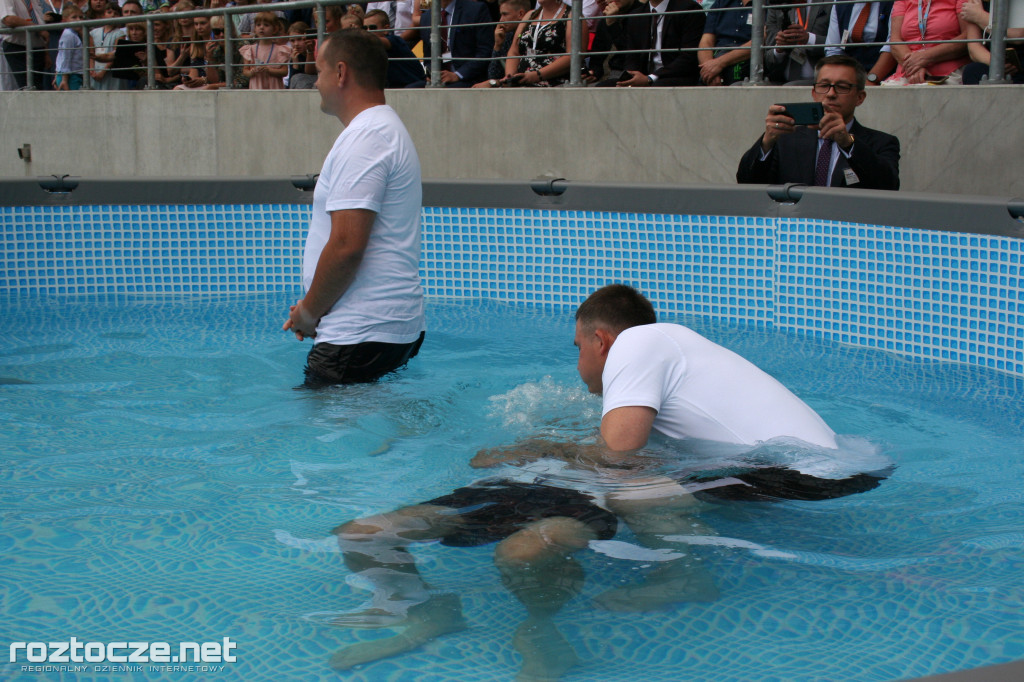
[919,293]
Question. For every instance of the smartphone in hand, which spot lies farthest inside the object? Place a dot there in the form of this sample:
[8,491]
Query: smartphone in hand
[804,113]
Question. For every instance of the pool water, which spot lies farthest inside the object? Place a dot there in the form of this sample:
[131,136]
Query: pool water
[163,480]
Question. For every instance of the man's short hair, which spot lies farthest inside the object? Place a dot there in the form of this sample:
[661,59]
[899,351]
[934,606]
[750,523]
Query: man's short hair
[524,5]
[844,60]
[386,23]
[616,307]
[362,52]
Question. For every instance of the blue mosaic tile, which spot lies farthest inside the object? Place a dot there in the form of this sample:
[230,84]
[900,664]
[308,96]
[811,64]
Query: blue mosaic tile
[937,295]
[944,296]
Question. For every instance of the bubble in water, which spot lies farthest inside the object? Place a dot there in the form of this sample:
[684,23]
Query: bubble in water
[545,404]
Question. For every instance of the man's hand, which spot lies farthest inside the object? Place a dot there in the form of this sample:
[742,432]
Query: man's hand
[776,124]
[638,80]
[833,127]
[611,11]
[301,322]
[710,70]
[794,35]
[449,77]
[499,37]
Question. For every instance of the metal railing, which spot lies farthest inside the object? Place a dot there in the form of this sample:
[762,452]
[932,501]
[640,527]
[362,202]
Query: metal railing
[996,75]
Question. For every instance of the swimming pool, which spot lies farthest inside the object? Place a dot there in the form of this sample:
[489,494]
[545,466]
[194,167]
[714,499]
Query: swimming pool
[163,481]
[166,483]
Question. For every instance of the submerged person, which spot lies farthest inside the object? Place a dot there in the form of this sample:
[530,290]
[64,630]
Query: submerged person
[555,499]
[363,304]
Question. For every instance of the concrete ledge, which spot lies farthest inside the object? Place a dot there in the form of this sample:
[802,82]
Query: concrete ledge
[961,140]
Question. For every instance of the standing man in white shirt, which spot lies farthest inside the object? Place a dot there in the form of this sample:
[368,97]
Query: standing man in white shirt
[363,304]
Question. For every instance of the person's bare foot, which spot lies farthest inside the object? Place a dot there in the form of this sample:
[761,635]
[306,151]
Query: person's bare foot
[547,654]
[665,586]
[437,616]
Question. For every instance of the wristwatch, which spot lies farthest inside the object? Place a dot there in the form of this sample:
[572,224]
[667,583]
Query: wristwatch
[872,78]
[493,83]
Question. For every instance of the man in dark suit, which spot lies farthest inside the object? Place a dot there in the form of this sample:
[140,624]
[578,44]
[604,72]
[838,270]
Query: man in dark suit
[839,152]
[672,40]
[464,48]
[792,37]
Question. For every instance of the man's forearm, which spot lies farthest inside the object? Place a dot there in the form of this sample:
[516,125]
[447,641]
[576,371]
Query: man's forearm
[335,272]
[590,454]
[339,260]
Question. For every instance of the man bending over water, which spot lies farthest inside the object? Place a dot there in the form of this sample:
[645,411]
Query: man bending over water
[663,378]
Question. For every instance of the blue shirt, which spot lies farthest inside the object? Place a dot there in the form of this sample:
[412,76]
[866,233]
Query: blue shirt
[732,28]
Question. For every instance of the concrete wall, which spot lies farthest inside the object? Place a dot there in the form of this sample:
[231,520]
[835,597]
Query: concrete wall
[965,140]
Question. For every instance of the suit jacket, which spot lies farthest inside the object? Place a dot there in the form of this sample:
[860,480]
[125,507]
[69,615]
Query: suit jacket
[867,56]
[788,65]
[875,160]
[468,44]
[679,31]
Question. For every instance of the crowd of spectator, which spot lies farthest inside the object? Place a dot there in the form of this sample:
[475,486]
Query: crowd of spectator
[503,43]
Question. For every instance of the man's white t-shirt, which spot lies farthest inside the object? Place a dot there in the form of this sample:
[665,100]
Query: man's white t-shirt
[373,165]
[702,390]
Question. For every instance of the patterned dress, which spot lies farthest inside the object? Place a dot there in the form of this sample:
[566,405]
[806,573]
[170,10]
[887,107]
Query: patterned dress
[542,42]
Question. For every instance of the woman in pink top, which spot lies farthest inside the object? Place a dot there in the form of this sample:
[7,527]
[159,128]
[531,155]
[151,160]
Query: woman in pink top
[928,20]
[266,60]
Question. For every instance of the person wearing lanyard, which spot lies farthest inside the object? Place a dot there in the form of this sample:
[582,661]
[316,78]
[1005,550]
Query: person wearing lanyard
[539,54]
[853,28]
[927,60]
[792,36]
[838,152]
[17,14]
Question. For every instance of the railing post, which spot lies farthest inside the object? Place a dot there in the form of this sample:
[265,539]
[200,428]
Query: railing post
[1000,13]
[151,52]
[576,46]
[435,42]
[86,74]
[30,76]
[757,43]
[229,52]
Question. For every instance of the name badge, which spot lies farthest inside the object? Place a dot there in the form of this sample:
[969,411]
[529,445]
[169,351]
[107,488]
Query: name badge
[750,20]
[850,177]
